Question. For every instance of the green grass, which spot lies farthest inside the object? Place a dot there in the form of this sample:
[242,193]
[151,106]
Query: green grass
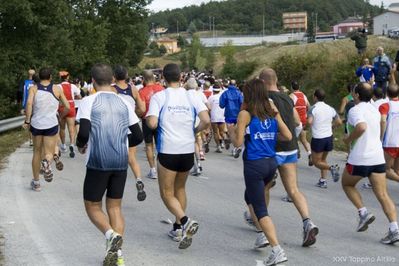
[10,141]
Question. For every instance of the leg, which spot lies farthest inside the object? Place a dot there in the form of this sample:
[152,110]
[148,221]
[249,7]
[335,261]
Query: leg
[216,133]
[97,216]
[134,165]
[71,129]
[319,160]
[288,173]
[115,215]
[378,181]
[37,156]
[390,163]
[149,150]
[62,130]
[348,184]
[180,190]
[304,141]
[49,147]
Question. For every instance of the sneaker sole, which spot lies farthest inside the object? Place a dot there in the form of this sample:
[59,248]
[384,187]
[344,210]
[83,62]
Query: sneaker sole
[311,237]
[262,246]
[390,242]
[48,177]
[174,238]
[59,166]
[111,259]
[237,154]
[188,238]
[366,225]
[206,148]
[141,195]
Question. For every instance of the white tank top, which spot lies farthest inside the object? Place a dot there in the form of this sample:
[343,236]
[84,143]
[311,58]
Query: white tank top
[45,107]
[391,137]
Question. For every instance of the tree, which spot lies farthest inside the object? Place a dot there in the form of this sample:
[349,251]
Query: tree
[192,28]
[181,42]
[311,30]
[162,49]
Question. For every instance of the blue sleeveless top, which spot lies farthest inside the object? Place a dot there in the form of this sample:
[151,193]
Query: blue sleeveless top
[260,139]
[127,91]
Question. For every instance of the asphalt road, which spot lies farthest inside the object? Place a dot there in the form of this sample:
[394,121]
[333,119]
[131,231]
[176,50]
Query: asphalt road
[51,227]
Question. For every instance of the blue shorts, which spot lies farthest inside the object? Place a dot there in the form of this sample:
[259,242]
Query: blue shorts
[231,120]
[44,132]
[322,145]
[286,159]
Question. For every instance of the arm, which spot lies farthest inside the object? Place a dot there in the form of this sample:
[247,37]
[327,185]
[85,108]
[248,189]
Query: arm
[297,119]
[29,106]
[83,135]
[359,71]
[337,121]
[140,104]
[344,102]
[392,79]
[383,126]
[205,121]
[237,133]
[284,133]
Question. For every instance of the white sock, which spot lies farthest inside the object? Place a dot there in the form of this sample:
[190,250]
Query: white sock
[138,179]
[363,211]
[393,226]
[276,249]
[153,169]
[309,152]
[36,182]
[108,234]
[323,179]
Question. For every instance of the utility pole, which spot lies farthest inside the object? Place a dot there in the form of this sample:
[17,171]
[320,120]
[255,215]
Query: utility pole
[213,23]
[316,25]
[177,30]
[263,27]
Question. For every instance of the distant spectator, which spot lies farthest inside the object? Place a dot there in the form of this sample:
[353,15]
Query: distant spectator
[360,38]
[382,68]
[365,72]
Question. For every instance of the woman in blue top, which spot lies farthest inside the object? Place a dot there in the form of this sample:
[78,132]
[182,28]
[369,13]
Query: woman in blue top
[258,127]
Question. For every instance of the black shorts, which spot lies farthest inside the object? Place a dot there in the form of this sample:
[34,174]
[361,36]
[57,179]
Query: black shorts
[44,132]
[365,170]
[148,133]
[177,162]
[322,145]
[97,182]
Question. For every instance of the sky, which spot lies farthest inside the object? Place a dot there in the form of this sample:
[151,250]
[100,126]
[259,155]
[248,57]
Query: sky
[158,5]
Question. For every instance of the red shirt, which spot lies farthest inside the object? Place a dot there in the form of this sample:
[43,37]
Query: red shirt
[384,108]
[146,94]
[207,93]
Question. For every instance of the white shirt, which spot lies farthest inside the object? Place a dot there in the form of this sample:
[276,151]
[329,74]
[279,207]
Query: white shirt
[379,102]
[45,107]
[323,115]
[176,110]
[366,150]
[217,113]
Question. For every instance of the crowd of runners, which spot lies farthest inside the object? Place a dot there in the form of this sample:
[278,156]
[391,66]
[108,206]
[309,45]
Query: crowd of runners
[183,116]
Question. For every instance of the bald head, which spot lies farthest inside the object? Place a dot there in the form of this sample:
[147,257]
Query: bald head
[380,50]
[269,76]
[148,76]
[364,91]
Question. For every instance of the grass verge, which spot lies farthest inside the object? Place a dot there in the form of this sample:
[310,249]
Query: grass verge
[9,142]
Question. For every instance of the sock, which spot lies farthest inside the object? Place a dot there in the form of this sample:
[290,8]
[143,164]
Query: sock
[276,249]
[305,222]
[108,234]
[363,211]
[323,179]
[184,220]
[153,169]
[36,182]
[393,226]
[138,179]
[309,152]
[176,226]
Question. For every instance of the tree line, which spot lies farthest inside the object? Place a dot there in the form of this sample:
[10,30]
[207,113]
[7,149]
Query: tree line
[247,16]
[69,35]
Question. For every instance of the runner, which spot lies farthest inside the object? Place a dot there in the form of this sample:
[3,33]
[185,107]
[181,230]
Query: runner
[231,100]
[173,112]
[131,95]
[366,159]
[218,119]
[105,120]
[302,105]
[25,86]
[322,118]
[41,118]
[389,132]
[151,87]
[71,92]
[258,127]
[286,155]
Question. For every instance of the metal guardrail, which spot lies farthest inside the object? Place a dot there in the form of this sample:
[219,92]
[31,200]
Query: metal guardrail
[11,123]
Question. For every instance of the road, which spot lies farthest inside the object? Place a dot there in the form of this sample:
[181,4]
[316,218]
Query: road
[51,227]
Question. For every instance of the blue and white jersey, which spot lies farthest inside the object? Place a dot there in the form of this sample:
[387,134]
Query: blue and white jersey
[260,139]
[176,110]
[110,116]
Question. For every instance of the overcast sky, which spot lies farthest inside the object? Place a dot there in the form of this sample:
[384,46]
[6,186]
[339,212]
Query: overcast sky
[158,5]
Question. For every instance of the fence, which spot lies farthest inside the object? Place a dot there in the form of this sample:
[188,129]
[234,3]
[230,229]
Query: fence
[11,123]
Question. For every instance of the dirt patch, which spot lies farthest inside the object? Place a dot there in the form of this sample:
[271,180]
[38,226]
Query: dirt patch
[9,142]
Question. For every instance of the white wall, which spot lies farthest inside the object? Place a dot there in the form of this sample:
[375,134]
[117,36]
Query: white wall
[385,22]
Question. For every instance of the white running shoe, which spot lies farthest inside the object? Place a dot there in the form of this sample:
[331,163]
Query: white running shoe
[112,246]
[63,148]
[190,228]
[152,174]
[276,258]
[176,235]
[261,240]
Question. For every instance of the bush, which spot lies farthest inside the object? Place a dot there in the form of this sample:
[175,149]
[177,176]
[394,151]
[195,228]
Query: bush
[8,108]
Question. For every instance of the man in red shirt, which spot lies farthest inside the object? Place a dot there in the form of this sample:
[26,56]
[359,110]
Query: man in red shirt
[151,87]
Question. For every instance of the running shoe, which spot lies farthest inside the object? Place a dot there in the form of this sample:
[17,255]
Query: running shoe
[287,199]
[112,246]
[237,153]
[63,148]
[219,149]
[248,219]
[367,185]
[152,174]
[141,195]
[35,186]
[227,143]
[41,171]
[48,173]
[222,144]
[176,235]
[202,156]
[190,228]
[321,184]
[276,258]
[391,237]
[121,260]
[334,169]
[274,181]
[310,161]
[261,241]
[71,152]
[197,170]
[364,222]
[309,234]
[31,142]
[206,146]
[58,164]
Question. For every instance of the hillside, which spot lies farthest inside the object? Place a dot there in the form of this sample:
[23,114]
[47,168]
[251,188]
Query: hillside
[246,16]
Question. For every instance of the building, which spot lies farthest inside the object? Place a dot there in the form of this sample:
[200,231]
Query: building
[348,25]
[170,45]
[295,21]
[387,21]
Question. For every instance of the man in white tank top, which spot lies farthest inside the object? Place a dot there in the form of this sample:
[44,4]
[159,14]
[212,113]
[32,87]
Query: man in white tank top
[41,118]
